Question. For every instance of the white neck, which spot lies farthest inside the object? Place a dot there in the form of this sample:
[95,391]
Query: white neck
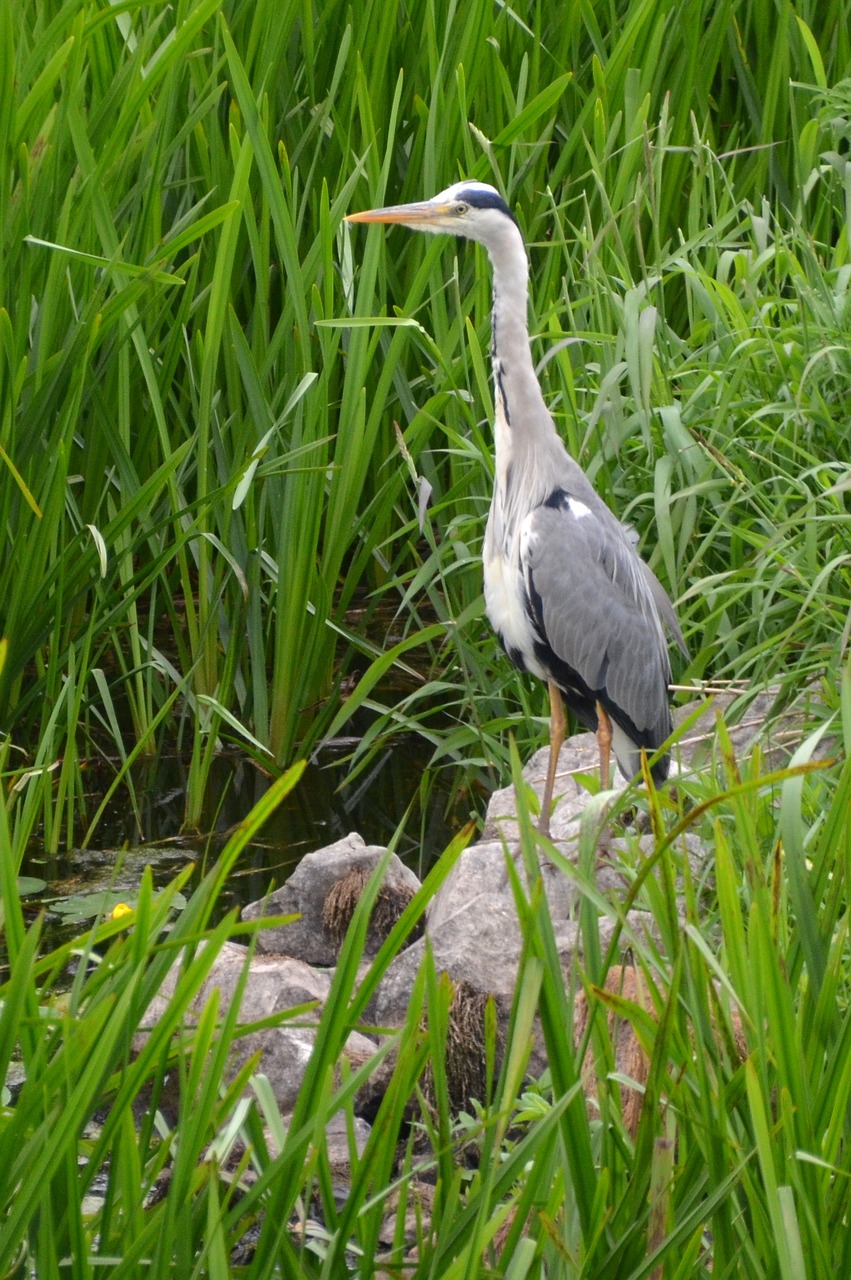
[515,384]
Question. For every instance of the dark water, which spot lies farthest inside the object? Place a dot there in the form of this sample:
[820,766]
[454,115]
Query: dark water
[316,813]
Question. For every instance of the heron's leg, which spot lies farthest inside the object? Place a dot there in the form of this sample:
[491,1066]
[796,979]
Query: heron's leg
[604,743]
[557,728]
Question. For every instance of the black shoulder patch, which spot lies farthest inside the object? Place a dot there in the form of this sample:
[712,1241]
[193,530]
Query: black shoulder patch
[557,500]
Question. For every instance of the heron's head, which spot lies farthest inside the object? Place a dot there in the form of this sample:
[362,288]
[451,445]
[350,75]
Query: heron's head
[471,209]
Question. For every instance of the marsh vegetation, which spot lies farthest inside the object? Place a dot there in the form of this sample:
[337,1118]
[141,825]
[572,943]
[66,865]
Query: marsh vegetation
[221,412]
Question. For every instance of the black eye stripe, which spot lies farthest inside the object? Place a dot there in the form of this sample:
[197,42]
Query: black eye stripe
[475,198]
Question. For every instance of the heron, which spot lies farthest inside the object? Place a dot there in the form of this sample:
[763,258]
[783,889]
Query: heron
[566,592]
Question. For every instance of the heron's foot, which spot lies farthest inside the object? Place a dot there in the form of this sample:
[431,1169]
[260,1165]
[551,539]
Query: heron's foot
[545,863]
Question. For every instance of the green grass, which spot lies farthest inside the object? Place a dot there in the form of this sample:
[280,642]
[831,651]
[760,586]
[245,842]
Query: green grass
[213,533]
[200,475]
[739,1165]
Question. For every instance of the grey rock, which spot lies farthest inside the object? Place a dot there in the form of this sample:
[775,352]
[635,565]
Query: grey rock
[578,755]
[475,935]
[419,1203]
[765,716]
[750,718]
[337,1147]
[306,893]
[273,985]
[337,1140]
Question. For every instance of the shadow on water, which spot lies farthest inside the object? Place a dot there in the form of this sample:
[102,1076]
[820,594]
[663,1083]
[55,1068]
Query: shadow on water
[316,813]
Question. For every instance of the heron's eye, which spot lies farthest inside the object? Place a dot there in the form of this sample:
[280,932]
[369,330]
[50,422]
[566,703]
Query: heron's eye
[461,208]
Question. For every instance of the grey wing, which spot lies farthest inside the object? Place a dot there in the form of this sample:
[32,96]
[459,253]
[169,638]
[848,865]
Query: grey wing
[664,607]
[598,610]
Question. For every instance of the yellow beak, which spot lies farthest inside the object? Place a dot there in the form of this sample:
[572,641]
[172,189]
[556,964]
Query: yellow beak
[424,211]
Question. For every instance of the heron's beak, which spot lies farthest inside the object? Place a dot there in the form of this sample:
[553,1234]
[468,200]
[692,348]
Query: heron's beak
[419,214]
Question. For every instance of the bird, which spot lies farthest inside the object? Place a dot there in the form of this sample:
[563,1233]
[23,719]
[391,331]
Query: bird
[566,592]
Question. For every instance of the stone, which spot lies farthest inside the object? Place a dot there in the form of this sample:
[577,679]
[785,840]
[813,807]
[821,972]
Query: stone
[750,718]
[320,891]
[578,755]
[475,936]
[274,985]
[337,1145]
[419,1202]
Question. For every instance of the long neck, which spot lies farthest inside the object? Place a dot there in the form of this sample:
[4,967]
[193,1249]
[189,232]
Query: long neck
[515,385]
[530,457]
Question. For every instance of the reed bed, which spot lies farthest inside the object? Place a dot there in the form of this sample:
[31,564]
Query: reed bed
[221,409]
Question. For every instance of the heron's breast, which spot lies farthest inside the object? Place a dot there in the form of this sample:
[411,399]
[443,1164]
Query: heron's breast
[505,602]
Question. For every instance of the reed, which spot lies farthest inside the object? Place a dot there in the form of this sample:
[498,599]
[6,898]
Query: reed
[201,368]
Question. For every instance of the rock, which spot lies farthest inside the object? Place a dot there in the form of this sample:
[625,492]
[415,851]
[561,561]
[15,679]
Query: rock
[419,1202]
[578,755]
[323,890]
[274,985]
[475,935]
[337,1145]
[472,930]
[750,718]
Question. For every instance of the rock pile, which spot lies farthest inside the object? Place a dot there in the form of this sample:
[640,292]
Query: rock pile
[471,923]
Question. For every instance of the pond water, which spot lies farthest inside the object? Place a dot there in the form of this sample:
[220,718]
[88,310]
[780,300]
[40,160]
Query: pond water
[317,812]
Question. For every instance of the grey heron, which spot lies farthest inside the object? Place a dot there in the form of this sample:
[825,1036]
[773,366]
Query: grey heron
[566,592]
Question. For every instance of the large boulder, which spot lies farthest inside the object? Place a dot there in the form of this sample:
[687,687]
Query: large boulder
[474,932]
[323,891]
[751,717]
[579,755]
